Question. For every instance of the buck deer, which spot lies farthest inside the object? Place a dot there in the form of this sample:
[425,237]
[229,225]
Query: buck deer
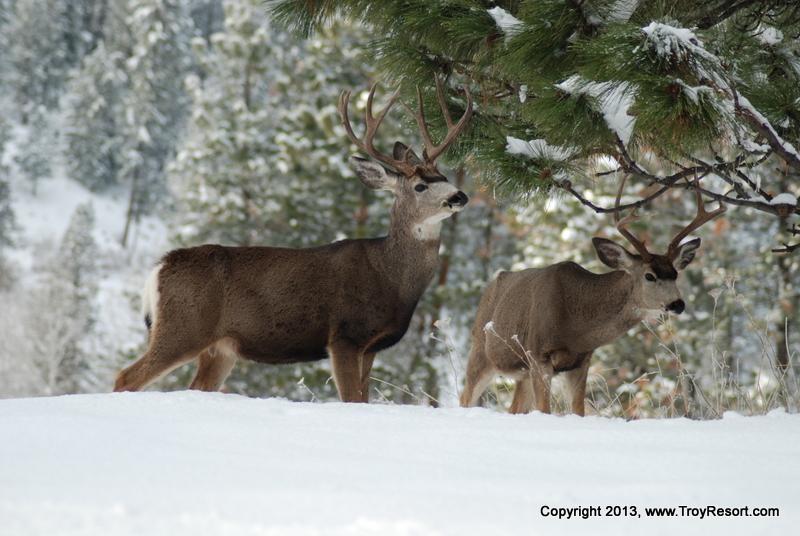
[349,299]
[536,323]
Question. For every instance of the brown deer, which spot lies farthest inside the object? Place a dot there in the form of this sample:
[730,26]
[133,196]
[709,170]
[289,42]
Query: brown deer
[539,322]
[347,300]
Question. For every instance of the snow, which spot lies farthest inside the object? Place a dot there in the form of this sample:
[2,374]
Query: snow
[614,100]
[770,36]
[622,10]
[669,40]
[538,148]
[682,44]
[188,463]
[784,199]
[753,147]
[507,22]
[744,103]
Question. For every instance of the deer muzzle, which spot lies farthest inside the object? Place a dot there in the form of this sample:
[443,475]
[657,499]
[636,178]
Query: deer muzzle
[458,199]
[676,307]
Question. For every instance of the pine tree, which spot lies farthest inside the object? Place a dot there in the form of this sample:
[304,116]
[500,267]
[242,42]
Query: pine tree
[665,91]
[7,220]
[7,228]
[222,171]
[36,53]
[83,27]
[156,102]
[95,119]
[62,309]
[265,133]
[34,155]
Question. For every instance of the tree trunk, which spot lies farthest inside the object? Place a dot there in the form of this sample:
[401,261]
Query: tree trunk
[132,208]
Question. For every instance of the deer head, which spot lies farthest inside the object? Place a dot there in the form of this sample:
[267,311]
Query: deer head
[654,276]
[423,196]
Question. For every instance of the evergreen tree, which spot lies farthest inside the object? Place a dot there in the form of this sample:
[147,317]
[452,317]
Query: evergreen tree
[7,222]
[83,25]
[667,90]
[156,102]
[95,119]
[223,170]
[62,309]
[6,230]
[35,153]
[36,53]
[576,94]
[209,18]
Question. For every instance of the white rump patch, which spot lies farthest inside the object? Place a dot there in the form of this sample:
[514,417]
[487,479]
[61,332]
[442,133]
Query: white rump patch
[150,295]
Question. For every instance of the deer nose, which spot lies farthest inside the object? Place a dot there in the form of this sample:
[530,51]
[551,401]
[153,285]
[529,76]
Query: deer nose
[459,198]
[676,307]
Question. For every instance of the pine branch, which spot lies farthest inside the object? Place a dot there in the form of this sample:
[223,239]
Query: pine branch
[787,248]
[712,19]
[671,181]
[567,186]
[781,147]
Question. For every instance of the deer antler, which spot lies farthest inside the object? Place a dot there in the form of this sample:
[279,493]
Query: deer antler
[622,225]
[372,123]
[432,151]
[409,165]
[699,220]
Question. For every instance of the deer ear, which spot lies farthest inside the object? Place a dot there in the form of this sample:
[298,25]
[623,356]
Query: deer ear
[612,254]
[686,253]
[399,153]
[374,175]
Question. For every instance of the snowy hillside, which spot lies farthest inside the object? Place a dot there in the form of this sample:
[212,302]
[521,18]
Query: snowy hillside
[193,463]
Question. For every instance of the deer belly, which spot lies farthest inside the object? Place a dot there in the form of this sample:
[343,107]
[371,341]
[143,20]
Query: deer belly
[563,360]
[283,352]
[280,343]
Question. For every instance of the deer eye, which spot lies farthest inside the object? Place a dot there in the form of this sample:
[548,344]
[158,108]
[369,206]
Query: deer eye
[420,187]
[650,277]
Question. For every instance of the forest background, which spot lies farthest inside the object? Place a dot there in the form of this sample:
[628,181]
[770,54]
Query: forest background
[133,126]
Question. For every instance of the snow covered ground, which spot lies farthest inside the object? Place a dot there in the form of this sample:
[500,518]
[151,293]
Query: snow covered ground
[214,464]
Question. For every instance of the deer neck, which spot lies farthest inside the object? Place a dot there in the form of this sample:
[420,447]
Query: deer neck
[411,255]
[616,302]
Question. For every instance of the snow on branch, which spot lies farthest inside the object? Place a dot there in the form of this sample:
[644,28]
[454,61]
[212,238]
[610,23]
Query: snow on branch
[783,148]
[672,41]
[613,99]
[682,45]
[539,149]
[508,23]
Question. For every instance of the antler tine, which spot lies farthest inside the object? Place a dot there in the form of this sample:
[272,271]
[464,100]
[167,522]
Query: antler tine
[372,124]
[433,151]
[701,218]
[448,119]
[419,116]
[623,223]
[453,132]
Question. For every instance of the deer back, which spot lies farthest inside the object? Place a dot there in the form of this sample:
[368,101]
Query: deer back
[559,307]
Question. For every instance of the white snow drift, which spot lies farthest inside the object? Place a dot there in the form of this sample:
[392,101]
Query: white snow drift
[213,464]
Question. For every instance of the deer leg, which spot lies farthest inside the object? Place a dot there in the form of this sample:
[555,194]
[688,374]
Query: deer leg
[479,373]
[162,356]
[366,367]
[540,375]
[576,381]
[214,364]
[523,396]
[346,365]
